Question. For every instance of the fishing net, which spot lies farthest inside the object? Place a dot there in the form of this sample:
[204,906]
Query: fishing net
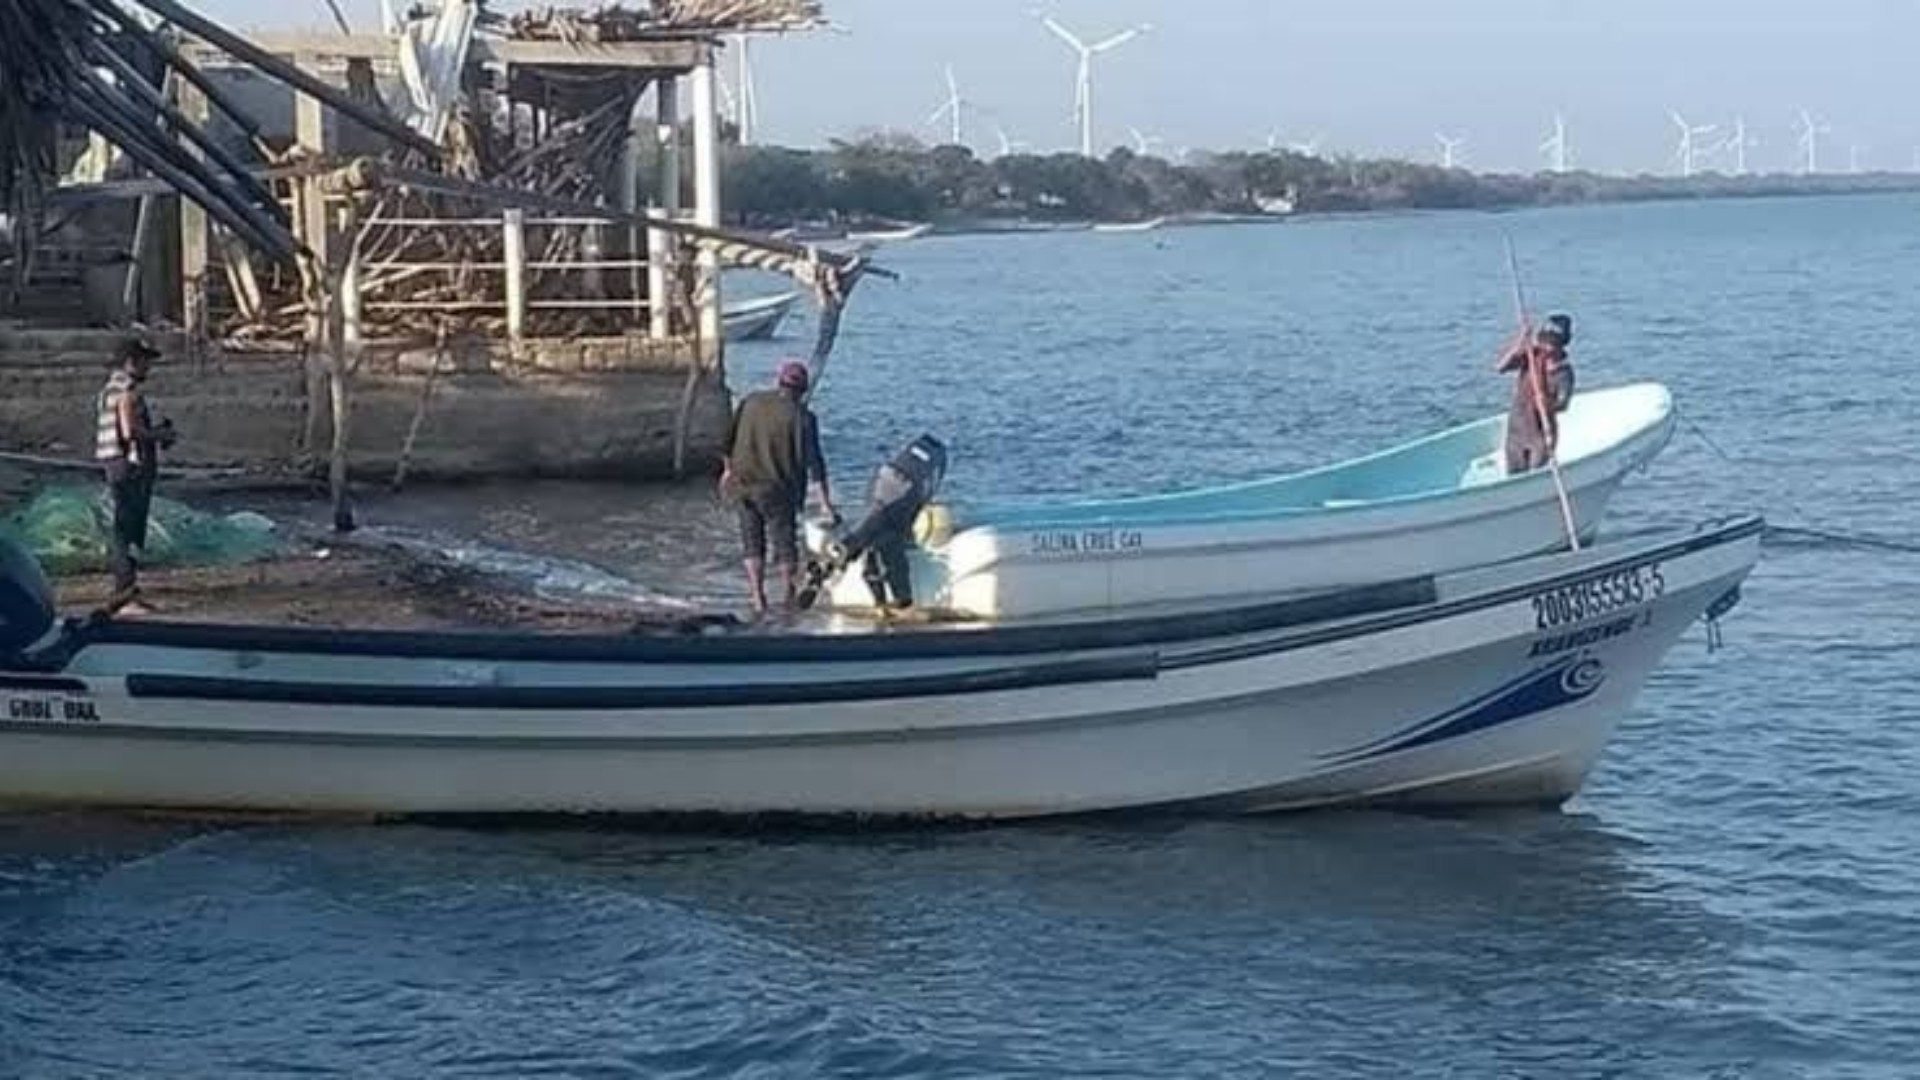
[67,528]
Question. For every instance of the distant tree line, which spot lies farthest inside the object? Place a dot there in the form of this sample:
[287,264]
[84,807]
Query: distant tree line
[894,176]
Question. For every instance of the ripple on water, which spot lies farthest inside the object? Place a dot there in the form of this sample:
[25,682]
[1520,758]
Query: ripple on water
[1735,894]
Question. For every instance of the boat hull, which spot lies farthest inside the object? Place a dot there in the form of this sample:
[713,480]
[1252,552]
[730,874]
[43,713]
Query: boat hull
[756,319]
[1462,700]
[1209,545]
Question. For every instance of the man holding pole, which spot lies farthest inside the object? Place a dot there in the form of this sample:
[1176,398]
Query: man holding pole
[1541,390]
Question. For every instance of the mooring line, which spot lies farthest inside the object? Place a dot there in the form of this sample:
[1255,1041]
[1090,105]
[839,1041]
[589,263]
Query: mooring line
[1832,536]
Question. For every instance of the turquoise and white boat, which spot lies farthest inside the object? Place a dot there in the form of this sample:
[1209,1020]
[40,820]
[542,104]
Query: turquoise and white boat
[1435,505]
[756,318]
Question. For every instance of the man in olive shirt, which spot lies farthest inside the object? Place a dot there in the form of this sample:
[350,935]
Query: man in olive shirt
[773,450]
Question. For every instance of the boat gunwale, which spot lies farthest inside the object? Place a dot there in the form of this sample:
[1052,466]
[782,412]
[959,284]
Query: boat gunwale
[760,305]
[1122,667]
[1660,426]
[1708,537]
[1396,604]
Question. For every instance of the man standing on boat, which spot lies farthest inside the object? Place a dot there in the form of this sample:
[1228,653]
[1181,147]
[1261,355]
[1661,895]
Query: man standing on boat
[127,445]
[1542,388]
[773,450]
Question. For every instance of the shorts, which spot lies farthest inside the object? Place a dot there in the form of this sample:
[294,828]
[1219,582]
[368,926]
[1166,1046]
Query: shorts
[770,519]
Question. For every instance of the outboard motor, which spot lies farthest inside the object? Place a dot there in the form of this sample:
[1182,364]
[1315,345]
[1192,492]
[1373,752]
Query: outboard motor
[901,489]
[26,601]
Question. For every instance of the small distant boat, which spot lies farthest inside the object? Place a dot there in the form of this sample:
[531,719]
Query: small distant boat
[1129,226]
[1275,205]
[889,236]
[1435,505]
[752,320]
[1497,685]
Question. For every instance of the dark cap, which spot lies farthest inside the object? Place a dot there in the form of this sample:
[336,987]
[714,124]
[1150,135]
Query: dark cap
[1558,328]
[135,347]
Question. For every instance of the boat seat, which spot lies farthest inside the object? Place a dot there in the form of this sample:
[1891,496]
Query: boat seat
[1483,470]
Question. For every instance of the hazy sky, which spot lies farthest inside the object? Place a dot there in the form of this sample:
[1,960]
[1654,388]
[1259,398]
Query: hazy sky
[1369,76]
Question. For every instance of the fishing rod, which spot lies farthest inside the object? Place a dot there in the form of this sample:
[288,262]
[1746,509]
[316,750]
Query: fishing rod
[1538,394]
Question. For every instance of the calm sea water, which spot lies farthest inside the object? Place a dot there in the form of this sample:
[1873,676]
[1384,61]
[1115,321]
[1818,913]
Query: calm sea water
[1736,893]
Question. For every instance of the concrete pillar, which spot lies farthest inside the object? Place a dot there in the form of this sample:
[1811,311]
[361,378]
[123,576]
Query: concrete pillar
[513,244]
[310,132]
[314,229]
[706,194]
[194,240]
[666,204]
[352,303]
[628,196]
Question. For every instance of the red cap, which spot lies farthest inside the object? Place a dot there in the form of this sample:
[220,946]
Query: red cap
[793,375]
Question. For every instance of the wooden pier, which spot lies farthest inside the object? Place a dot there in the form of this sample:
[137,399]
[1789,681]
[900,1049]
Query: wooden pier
[545,301]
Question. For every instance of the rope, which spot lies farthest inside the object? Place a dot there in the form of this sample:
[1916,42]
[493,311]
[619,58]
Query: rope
[1803,532]
[1859,540]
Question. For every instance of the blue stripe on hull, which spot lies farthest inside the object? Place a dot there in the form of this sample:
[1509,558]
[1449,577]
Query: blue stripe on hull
[1567,680]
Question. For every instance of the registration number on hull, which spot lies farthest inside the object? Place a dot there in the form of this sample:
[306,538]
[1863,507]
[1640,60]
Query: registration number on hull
[1598,596]
[33,708]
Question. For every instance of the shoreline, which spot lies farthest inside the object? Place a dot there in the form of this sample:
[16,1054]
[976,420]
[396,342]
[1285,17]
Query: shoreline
[319,579]
[347,584]
[941,225]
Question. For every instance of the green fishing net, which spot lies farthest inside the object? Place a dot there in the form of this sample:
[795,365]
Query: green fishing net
[66,528]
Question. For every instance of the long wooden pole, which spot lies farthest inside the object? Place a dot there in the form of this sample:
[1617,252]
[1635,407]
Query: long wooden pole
[1538,394]
[158,44]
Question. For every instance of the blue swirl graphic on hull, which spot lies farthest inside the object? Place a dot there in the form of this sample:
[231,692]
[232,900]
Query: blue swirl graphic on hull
[1562,682]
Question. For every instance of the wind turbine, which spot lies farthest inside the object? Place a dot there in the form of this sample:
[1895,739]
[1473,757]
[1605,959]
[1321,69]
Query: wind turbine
[1007,146]
[1738,142]
[1083,77]
[953,108]
[1810,132]
[1143,143]
[1688,133]
[1555,145]
[1449,148]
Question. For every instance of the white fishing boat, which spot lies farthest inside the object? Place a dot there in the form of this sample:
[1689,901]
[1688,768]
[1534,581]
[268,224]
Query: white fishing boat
[1494,685]
[1275,205]
[752,320]
[890,236]
[1441,503]
[1129,226]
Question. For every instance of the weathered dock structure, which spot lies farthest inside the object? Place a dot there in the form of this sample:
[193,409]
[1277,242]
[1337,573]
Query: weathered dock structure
[506,255]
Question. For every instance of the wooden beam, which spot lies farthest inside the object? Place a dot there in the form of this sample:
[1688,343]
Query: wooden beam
[675,56]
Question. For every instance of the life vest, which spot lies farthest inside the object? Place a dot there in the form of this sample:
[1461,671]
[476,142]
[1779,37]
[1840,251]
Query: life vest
[109,442]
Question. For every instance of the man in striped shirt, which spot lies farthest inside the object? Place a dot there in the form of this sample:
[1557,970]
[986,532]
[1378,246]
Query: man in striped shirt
[127,445]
